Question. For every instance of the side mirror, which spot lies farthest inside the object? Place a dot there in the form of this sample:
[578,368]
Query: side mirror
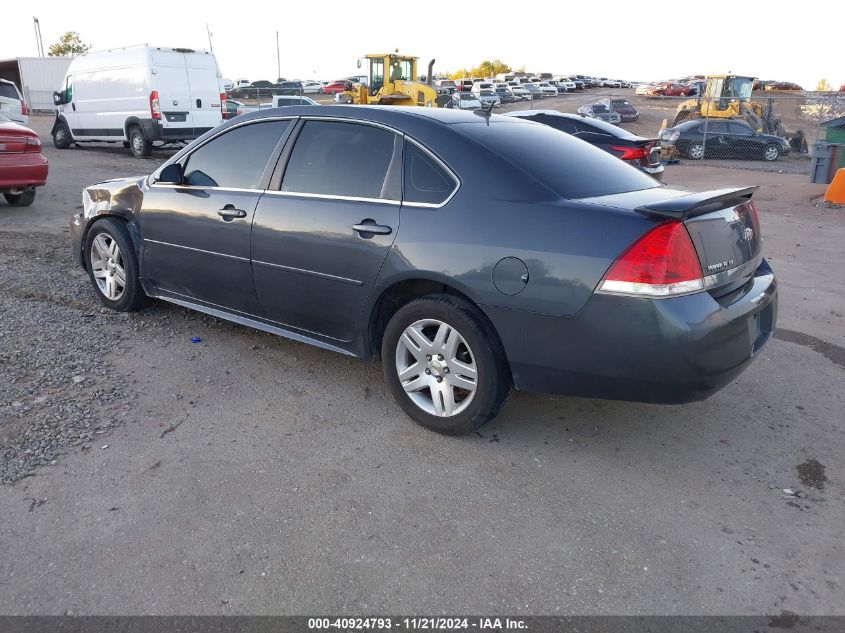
[171,174]
[58,98]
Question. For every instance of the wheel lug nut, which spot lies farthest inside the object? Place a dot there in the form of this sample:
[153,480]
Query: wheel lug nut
[439,379]
[445,370]
[427,370]
[428,356]
[440,357]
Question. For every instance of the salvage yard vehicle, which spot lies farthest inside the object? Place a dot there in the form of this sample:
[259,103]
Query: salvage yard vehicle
[465,101]
[22,165]
[139,95]
[622,107]
[637,151]
[599,111]
[279,101]
[489,98]
[12,104]
[288,221]
[547,89]
[720,138]
[504,92]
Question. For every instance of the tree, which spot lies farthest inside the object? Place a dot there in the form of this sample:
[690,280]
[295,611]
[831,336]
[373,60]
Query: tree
[823,86]
[69,44]
[486,68]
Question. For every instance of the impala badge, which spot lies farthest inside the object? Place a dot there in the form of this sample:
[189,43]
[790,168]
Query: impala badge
[748,233]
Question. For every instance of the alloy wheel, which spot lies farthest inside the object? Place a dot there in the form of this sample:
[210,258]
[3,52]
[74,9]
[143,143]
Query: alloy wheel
[436,367]
[696,152]
[771,153]
[107,266]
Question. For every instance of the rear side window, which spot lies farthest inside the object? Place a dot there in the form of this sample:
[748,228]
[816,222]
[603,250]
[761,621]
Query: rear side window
[235,159]
[567,165]
[343,159]
[425,180]
[9,91]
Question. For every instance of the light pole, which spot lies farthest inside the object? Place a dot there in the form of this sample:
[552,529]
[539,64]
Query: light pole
[38,43]
[278,59]
[207,30]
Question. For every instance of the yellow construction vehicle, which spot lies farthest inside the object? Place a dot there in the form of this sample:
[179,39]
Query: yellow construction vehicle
[392,81]
[729,96]
[725,96]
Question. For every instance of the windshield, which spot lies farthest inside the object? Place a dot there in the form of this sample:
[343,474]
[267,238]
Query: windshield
[600,108]
[487,93]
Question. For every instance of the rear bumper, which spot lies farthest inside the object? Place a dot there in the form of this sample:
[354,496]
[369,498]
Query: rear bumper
[23,170]
[155,131]
[666,351]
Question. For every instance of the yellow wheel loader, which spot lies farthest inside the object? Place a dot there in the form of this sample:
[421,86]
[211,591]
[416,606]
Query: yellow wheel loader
[729,97]
[392,81]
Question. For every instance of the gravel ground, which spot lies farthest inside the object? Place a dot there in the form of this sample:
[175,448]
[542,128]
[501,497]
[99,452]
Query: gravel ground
[252,474]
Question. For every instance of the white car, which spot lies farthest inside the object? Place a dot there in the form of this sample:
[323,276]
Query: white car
[642,89]
[547,89]
[518,91]
[610,83]
[478,86]
[567,83]
[138,95]
[242,83]
[465,101]
[12,103]
[311,87]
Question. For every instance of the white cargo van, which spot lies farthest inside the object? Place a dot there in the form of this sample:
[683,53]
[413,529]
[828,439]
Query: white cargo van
[138,95]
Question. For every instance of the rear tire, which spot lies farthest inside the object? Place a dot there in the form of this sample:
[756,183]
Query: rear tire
[62,138]
[115,272]
[470,356]
[23,199]
[138,144]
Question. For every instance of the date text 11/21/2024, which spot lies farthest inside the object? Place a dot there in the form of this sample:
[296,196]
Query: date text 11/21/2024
[416,623]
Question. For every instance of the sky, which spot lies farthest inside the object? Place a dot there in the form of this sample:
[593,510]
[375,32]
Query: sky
[652,40]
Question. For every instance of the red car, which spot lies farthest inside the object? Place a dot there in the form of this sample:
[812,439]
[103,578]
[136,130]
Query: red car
[334,87]
[670,89]
[22,165]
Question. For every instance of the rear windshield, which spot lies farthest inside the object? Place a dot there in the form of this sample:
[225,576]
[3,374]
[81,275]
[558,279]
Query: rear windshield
[567,165]
[9,91]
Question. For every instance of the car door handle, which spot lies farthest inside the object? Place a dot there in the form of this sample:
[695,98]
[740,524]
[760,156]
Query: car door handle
[229,213]
[369,226]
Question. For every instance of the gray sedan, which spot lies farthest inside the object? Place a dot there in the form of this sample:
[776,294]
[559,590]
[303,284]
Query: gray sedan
[471,253]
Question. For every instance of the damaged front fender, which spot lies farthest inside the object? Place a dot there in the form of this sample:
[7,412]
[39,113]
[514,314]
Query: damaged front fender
[120,198]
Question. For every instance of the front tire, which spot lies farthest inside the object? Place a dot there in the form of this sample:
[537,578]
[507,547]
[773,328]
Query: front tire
[138,144]
[771,153]
[113,266]
[444,364]
[23,199]
[695,151]
[62,138]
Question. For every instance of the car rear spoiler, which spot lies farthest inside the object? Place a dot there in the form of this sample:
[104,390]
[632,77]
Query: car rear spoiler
[694,204]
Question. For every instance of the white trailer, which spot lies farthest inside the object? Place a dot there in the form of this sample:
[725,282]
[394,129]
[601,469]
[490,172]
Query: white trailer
[36,78]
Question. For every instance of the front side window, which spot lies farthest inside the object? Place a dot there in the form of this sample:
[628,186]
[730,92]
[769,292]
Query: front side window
[376,75]
[236,159]
[342,159]
[425,180]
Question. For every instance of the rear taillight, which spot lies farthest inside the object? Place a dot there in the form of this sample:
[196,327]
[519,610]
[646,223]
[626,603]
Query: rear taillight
[24,111]
[223,110]
[155,107]
[630,153]
[19,143]
[662,263]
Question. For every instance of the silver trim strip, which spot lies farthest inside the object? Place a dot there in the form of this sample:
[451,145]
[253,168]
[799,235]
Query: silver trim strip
[312,273]
[198,188]
[325,196]
[258,325]
[198,250]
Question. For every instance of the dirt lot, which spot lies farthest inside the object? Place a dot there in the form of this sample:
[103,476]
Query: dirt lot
[251,474]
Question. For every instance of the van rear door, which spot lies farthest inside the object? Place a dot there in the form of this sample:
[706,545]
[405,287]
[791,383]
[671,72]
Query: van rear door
[204,86]
[170,80]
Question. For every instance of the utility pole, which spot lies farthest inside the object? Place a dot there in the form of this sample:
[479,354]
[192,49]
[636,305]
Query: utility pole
[207,30]
[278,59]
[38,43]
